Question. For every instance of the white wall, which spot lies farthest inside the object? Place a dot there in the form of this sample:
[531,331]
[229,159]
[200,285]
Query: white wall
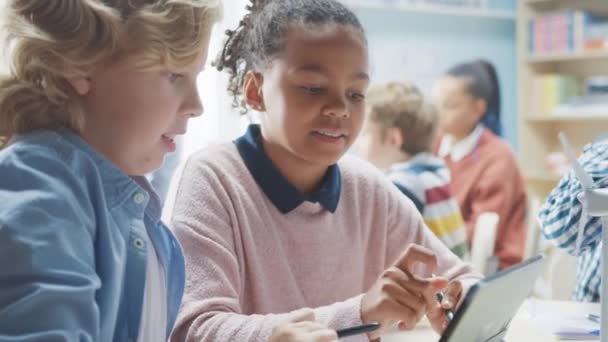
[420,47]
[219,122]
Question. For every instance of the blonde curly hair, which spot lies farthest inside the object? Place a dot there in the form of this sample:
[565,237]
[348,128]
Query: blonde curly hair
[402,105]
[51,41]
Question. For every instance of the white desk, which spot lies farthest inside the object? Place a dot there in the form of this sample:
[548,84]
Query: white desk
[522,328]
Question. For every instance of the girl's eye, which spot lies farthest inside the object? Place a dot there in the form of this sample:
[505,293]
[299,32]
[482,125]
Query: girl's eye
[173,77]
[313,90]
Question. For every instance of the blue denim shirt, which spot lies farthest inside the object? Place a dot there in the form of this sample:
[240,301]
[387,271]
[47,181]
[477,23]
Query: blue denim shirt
[72,244]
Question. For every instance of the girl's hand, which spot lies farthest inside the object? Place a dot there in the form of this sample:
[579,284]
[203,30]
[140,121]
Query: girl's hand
[399,295]
[302,328]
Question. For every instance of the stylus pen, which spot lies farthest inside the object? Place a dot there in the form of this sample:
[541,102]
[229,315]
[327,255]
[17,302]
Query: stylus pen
[448,313]
[360,329]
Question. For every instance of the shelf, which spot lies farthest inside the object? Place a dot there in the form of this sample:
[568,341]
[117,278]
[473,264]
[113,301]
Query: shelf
[568,118]
[585,4]
[579,56]
[546,2]
[433,9]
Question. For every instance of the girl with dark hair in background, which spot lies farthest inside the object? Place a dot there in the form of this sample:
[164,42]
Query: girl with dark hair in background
[485,175]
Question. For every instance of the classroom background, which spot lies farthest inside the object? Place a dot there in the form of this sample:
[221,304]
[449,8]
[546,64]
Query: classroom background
[552,62]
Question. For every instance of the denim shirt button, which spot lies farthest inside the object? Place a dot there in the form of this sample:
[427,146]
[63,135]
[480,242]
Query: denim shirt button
[139,243]
[139,198]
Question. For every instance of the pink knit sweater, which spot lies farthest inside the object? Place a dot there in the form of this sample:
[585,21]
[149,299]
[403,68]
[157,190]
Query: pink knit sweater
[248,264]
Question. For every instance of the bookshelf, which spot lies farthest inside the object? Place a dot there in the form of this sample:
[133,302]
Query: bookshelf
[538,131]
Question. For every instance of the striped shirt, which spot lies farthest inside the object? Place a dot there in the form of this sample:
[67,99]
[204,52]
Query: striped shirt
[426,181]
[562,216]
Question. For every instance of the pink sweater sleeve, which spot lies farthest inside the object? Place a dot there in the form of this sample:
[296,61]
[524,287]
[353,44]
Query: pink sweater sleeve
[205,225]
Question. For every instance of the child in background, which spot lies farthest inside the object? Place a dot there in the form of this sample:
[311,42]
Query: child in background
[485,175]
[396,137]
[97,93]
[562,215]
[273,222]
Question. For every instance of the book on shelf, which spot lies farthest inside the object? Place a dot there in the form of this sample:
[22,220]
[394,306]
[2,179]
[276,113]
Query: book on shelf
[561,95]
[567,32]
[548,91]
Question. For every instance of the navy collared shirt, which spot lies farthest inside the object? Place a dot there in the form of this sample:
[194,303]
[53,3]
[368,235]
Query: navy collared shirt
[281,193]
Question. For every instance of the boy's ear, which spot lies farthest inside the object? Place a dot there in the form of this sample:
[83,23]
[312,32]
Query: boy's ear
[252,91]
[394,137]
[80,84]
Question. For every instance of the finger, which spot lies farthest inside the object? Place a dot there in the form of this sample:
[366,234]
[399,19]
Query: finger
[435,312]
[412,282]
[417,288]
[312,326]
[404,306]
[439,283]
[305,326]
[452,295]
[302,315]
[429,294]
[323,335]
[422,288]
[416,285]
[416,254]
[403,326]
[395,311]
[438,318]
[395,273]
[408,299]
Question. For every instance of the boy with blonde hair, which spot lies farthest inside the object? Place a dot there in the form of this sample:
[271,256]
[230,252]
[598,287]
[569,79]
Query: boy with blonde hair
[397,138]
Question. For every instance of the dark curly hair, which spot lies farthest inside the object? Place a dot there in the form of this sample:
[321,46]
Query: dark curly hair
[261,35]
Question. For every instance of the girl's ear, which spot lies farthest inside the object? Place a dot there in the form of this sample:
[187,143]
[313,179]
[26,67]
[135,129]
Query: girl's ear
[252,91]
[80,84]
[481,107]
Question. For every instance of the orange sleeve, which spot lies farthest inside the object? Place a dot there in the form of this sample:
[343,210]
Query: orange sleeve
[500,189]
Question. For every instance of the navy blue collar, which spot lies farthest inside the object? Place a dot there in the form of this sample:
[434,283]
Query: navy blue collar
[281,193]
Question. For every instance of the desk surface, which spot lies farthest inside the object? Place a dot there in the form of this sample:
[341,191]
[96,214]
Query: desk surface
[522,328]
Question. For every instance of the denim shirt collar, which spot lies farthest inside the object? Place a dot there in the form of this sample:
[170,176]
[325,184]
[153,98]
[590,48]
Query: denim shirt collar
[281,193]
[118,185]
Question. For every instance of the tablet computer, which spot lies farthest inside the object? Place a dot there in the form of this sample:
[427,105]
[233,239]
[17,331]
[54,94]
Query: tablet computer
[489,306]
